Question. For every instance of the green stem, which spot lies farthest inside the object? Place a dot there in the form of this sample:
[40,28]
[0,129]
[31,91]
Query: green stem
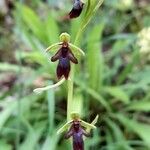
[70,93]
[84,23]
[71,82]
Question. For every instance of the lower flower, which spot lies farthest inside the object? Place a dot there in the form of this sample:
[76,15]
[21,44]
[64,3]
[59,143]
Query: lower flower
[77,130]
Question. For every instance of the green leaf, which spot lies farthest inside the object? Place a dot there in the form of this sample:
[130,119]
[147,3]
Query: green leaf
[120,141]
[139,106]
[32,138]
[94,57]
[52,29]
[141,129]
[4,145]
[94,94]
[32,21]
[50,142]
[123,75]
[51,108]
[118,93]
[11,67]
[10,107]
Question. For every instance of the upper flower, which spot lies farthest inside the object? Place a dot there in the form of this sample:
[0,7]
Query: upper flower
[65,53]
[77,9]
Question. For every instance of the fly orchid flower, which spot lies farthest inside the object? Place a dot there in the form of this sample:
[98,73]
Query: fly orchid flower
[77,9]
[64,53]
[77,129]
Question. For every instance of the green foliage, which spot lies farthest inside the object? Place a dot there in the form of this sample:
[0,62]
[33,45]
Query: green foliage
[112,79]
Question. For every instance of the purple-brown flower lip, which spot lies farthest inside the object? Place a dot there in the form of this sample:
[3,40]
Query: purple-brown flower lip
[64,55]
[77,132]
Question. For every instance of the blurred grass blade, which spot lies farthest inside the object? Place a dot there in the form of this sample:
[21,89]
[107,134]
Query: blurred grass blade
[51,109]
[32,139]
[141,129]
[94,57]
[94,94]
[52,30]
[33,22]
[118,93]
[139,106]
[12,106]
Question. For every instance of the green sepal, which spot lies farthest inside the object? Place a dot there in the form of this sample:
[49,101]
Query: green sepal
[75,116]
[54,47]
[93,123]
[64,127]
[87,125]
[64,37]
[76,50]
[95,120]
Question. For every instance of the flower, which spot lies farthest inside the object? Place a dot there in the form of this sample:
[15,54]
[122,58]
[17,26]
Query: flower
[77,132]
[77,129]
[77,9]
[66,53]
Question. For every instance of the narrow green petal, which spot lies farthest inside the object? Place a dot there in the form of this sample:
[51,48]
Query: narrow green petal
[95,120]
[55,46]
[93,123]
[76,50]
[87,125]
[64,127]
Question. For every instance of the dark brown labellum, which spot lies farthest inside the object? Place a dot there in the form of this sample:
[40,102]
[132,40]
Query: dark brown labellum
[76,131]
[76,10]
[64,55]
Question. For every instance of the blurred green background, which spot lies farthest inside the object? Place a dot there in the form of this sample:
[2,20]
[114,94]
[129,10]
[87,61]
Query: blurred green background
[113,78]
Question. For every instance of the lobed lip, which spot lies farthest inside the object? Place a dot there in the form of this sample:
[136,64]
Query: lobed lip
[64,55]
[77,132]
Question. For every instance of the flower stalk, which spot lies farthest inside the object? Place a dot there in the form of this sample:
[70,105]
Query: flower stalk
[91,9]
